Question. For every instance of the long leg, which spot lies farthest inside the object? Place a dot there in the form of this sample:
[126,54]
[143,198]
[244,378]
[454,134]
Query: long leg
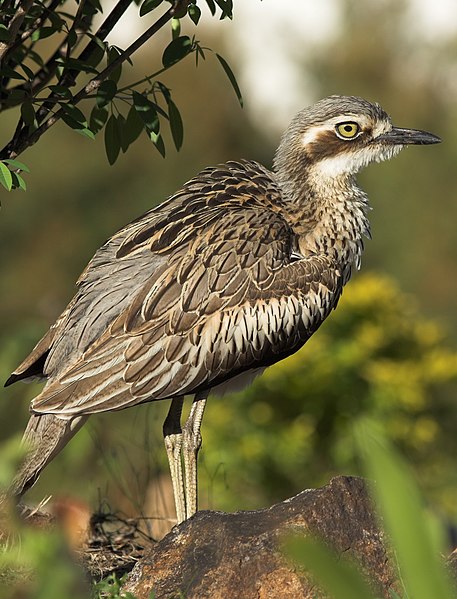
[172,433]
[192,441]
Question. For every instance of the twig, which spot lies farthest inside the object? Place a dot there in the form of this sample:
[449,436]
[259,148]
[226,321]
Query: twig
[36,25]
[15,24]
[65,80]
[69,78]
[44,75]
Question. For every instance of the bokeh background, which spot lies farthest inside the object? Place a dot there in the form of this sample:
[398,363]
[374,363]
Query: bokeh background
[389,351]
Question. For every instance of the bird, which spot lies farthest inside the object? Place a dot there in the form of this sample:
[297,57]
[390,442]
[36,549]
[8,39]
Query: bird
[229,275]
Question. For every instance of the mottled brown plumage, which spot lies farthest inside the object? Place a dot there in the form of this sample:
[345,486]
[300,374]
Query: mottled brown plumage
[231,274]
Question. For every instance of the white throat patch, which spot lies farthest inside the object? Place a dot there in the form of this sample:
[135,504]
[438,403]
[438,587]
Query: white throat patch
[351,162]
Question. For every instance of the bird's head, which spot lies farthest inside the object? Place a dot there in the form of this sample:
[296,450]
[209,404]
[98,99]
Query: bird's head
[338,136]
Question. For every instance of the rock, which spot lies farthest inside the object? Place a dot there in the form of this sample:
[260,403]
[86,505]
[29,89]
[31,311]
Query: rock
[217,555]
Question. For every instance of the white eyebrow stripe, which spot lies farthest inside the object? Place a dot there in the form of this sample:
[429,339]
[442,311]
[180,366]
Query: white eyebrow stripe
[312,133]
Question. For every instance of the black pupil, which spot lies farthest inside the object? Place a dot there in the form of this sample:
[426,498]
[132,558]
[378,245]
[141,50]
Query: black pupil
[348,128]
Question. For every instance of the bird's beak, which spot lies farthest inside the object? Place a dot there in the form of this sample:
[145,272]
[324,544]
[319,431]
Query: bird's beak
[404,137]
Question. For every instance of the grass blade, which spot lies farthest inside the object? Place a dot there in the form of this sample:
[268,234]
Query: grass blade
[404,517]
[334,575]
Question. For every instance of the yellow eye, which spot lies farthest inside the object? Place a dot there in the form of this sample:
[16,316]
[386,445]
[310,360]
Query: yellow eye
[347,130]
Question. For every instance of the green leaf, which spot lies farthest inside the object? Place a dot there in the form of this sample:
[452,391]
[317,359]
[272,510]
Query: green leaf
[28,113]
[147,112]
[176,50]
[231,78]
[343,583]
[30,74]
[200,53]
[112,140]
[18,182]
[75,114]
[16,95]
[37,59]
[7,71]
[16,164]
[176,125]
[194,13]
[113,53]
[129,131]
[74,64]
[97,5]
[157,140]
[100,43]
[96,56]
[6,177]
[149,5]
[85,132]
[106,93]
[72,38]
[211,6]
[226,7]
[98,118]
[55,20]
[4,33]
[164,89]
[133,126]
[404,517]
[60,90]
[123,139]
[42,33]
[175,28]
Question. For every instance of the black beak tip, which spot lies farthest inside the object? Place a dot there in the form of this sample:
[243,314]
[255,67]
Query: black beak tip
[425,138]
[406,137]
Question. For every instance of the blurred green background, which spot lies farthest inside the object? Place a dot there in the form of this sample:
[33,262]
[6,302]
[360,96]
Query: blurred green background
[388,352]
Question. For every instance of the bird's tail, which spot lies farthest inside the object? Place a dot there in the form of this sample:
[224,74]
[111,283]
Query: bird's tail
[45,436]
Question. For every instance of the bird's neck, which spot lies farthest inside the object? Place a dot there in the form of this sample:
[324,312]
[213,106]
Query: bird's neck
[329,215]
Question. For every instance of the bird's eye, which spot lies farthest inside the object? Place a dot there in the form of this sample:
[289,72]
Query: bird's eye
[347,130]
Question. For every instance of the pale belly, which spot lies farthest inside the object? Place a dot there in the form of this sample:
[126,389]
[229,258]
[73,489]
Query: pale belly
[237,383]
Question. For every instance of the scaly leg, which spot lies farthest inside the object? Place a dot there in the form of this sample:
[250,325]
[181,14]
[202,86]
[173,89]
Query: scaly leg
[172,433]
[192,441]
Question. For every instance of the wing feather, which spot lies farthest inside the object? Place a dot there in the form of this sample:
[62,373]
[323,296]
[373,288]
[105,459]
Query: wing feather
[224,295]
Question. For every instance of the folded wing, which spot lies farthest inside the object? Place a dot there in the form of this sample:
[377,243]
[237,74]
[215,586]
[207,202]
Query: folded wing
[202,289]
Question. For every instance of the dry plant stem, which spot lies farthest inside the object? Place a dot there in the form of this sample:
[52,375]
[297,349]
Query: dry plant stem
[192,441]
[15,24]
[172,434]
[26,140]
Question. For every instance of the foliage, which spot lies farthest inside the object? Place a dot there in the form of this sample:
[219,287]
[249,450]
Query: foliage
[34,563]
[41,566]
[38,562]
[43,87]
[412,531]
[111,588]
[375,356]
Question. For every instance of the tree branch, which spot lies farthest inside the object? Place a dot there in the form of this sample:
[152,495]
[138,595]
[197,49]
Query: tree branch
[36,25]
[25,140]
[44,75]
[64,80]
[15,24]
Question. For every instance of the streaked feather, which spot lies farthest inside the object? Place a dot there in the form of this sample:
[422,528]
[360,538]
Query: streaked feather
[205,287]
